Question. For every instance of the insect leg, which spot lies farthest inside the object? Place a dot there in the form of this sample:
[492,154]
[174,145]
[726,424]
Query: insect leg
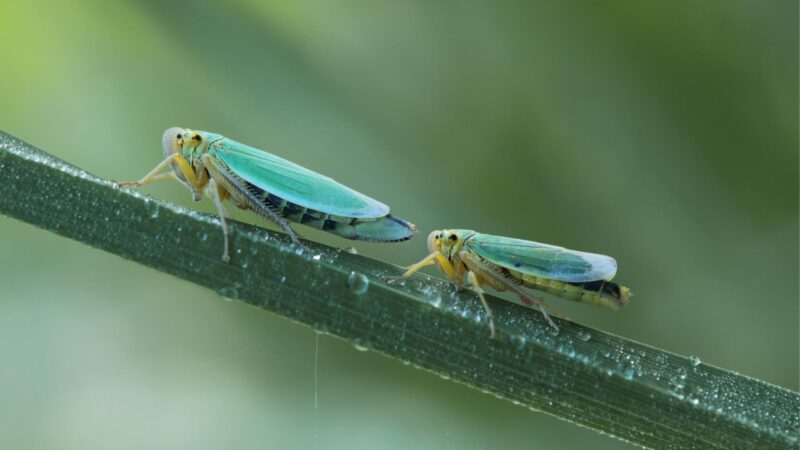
[473,281]
[232,184]
[434,258]
[489,272]
[153,175]
[164,176]
[213,191]
[527,299]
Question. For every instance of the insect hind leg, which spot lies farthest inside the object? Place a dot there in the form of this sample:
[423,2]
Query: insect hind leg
[233,183]
[486,271]
[473,281]
[213,192]
[529,300]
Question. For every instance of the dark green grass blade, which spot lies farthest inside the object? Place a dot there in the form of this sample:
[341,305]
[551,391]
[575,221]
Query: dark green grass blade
[629,390]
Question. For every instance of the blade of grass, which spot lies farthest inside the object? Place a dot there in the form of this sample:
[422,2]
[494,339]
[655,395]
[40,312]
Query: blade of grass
[626,389]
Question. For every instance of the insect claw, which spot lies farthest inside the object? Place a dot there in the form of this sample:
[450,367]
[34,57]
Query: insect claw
[492,331]
[548,319]
[394,279]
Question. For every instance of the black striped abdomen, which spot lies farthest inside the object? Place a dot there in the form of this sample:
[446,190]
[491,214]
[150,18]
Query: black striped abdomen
[381,229]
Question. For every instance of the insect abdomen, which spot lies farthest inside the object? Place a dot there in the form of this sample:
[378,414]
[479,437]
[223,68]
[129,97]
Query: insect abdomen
[382,229]
[294,212]
[601,292]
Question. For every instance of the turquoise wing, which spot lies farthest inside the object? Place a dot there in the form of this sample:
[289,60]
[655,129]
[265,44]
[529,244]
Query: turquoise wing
[542,260]
[295,183]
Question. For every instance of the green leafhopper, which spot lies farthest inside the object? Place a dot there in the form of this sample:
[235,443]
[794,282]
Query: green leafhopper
[508,264]
[274,188]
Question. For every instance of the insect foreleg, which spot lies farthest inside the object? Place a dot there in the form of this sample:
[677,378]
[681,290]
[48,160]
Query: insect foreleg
[154,175]
[164,176]
[434,258]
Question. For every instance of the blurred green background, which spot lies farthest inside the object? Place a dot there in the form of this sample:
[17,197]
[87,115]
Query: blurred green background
[662,133]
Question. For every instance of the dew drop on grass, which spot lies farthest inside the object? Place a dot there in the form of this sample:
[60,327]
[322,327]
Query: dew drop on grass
[628,373]
[358,283]
[432,296]
[229,292]
[360,346]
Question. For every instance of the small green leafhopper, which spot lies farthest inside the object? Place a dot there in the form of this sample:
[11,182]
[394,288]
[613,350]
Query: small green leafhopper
[508,264]
[274,188]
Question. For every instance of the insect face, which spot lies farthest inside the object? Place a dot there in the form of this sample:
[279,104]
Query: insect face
[445,241]
[172,140]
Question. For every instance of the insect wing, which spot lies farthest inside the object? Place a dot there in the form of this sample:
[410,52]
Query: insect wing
[295,183]
[543,260]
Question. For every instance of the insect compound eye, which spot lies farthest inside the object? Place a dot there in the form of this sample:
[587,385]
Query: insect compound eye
[453,237]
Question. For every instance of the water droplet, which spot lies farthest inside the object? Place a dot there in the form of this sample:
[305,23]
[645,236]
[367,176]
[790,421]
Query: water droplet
[677,383]
[358,283]
[245,263]
[394,280]
[283,278]
[351,250]
[695,361]
[230,292]
[299,250]
[585,336]
[152,209]
[432,295]
[360,346]
[628,373]
[316,257]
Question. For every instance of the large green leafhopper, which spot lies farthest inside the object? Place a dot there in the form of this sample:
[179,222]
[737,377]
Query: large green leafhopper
[272,187]
[508,264]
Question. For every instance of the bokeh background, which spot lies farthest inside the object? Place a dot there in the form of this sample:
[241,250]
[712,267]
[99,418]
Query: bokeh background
[662,133]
